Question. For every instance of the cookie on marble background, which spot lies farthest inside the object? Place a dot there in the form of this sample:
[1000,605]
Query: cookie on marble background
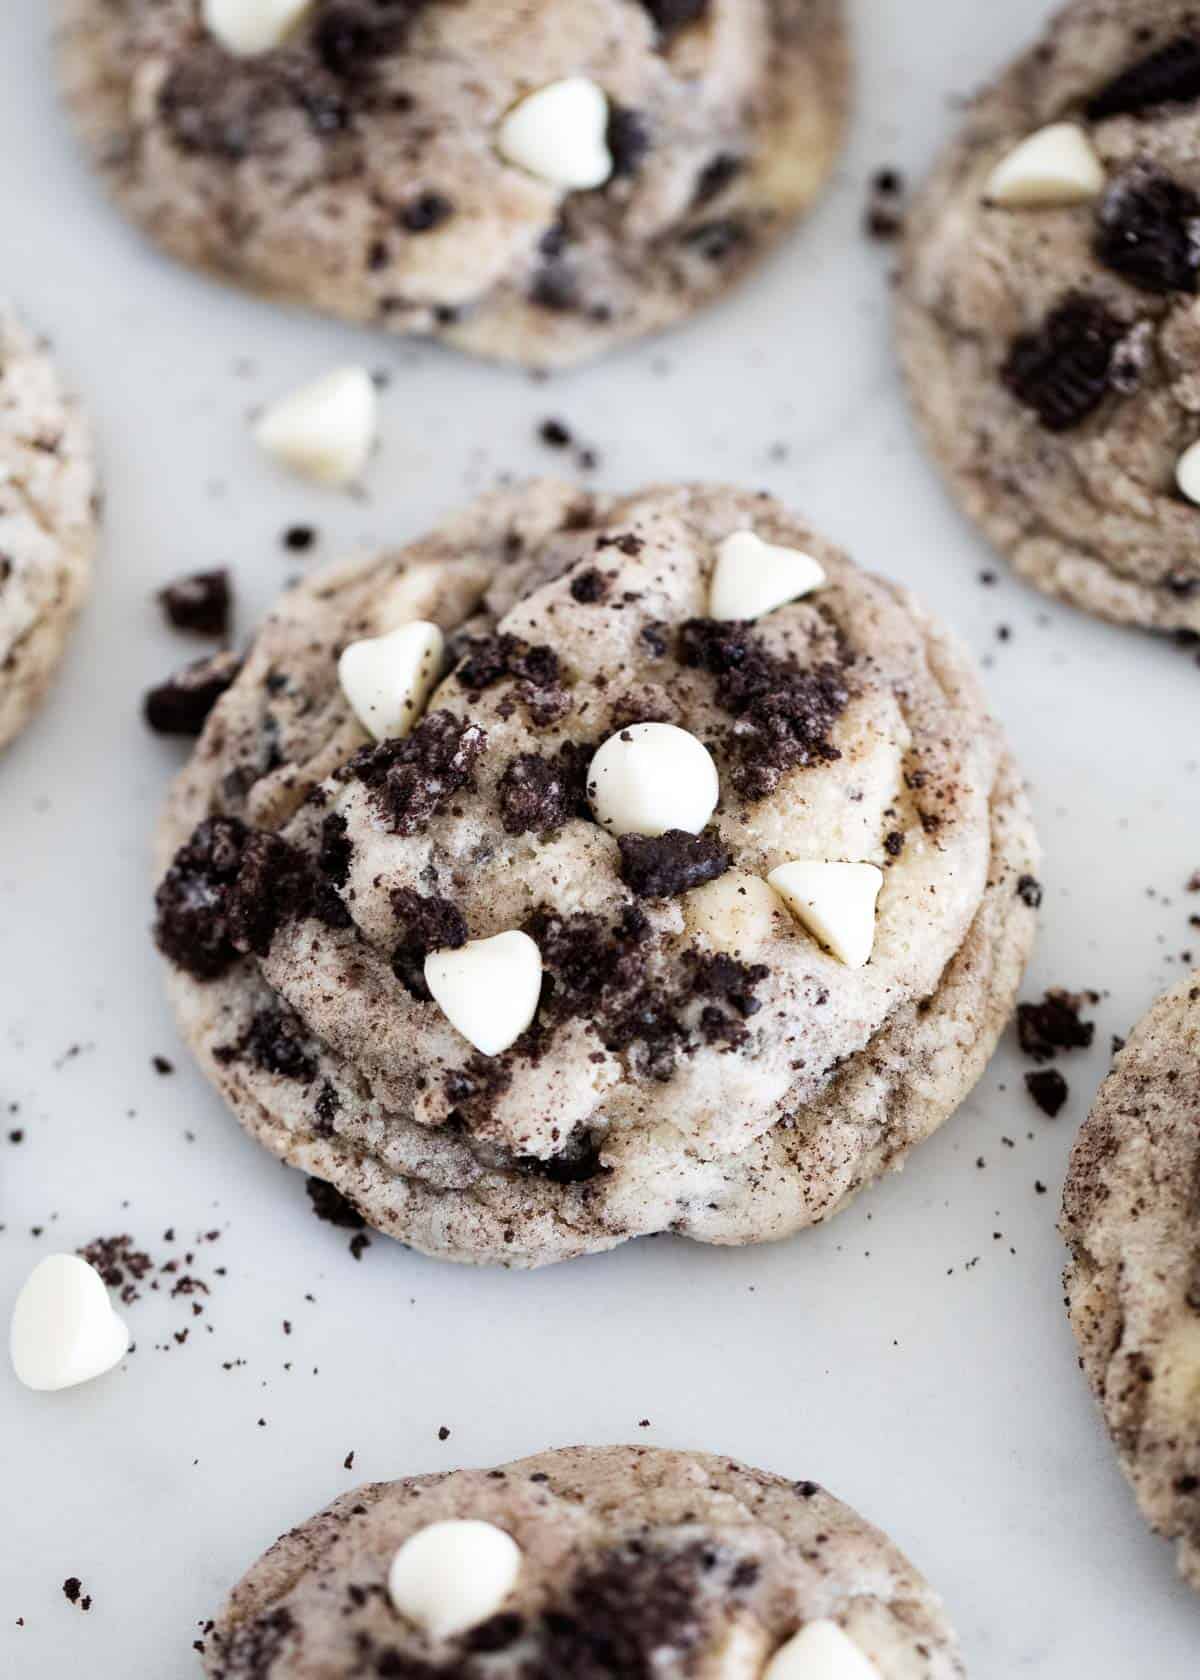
[516,982]
[531,181]
[1131,1218]
[590,1562]
[1049,323]
[48,503]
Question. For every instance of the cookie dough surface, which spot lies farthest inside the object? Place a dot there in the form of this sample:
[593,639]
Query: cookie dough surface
[1131,1217]
[47,521]
[355,168]
[1052,353]
[634,1562]
[699,1063]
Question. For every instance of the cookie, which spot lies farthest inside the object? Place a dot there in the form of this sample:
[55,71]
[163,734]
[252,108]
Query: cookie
[627,1562]
[502,981]
[47,521]
[1048,319]
[1133,1281]
[531,181]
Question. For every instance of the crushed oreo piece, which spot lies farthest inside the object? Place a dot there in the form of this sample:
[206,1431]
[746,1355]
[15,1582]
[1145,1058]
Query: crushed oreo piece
[412,778]
[589,587]
[337,849]
[275,1042]
[180,706]
[1148,231]
[225,895]
[728,981]
[349,37]
[538,794]
[1050,1026]
[672,15]
[427,211]
[330,1205]
[427,923]
[200,603]
[252,1648]
[1048,1089]
[785,715]
[719,173]
[1029,891]
[1063,371]
[665,865]
[628,139]
[326,1108]
[488,660]
[1168,75]
[221,106]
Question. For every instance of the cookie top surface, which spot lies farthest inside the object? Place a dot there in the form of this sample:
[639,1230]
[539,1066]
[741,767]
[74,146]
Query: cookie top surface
[699,1062]
[356,167]
[1131,1217]
[47,519]
[1051,347]
[633,1563]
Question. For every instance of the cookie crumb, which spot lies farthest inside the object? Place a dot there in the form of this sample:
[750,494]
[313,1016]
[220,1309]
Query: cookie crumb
[1048,1089]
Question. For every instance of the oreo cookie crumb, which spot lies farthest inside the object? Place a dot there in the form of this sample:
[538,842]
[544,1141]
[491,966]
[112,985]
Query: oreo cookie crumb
[225,895]
[673,15]
[1063,371]
[1048,1089]
[427,211]
[121,1264]
[1148,231]
[332,1207]
[589,587]
[785,715]
[162,1066]
[180,706]
[427,923]
[74,1594]
[1168,75]
[665,865]
[200,603]
[555,435]
[1029,891]
[1045,1028]
[299,538]
[539,794]
[413,778]
[628,140]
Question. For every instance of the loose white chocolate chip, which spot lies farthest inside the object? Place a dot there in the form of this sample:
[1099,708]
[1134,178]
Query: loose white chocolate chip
[835,902]
[325,430]
[64,1330]
[245,27]
[453,1575]
[558,134]
[735,912]
[820,1651]
[387,679]
[753,577]
[1187,472]
[653,777]
[488,989]
[1056,166]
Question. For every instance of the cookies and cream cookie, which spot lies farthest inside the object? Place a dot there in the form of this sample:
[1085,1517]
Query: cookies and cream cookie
[535,180]
[598,1563]
[535,907]
[1049,318]
[1131,1218]
[47,520]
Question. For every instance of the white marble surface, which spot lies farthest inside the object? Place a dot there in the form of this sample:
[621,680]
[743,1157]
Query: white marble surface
[906,1355]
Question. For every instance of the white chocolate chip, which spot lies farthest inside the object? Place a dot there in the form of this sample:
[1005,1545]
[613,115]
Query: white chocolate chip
[1187,472]
[735,912]
[387,679]
[558,134]
[488,989]
[1056,166]
[753,577]
[835,902]
[653,777]
[453,1575]
[325,430]
[64,1330]
[820,1651]
[245,27]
